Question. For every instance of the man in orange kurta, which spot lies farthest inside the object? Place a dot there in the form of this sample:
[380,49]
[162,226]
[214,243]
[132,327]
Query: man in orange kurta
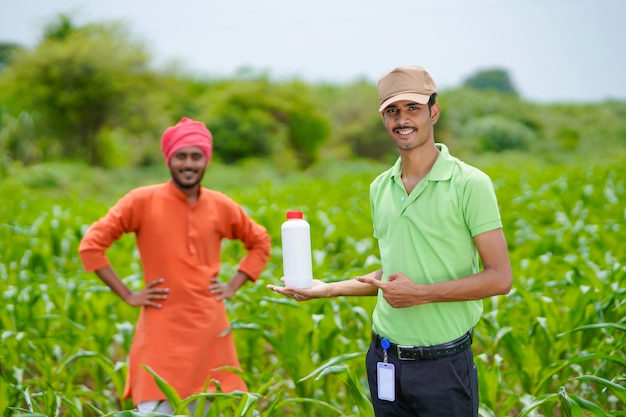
[182,331]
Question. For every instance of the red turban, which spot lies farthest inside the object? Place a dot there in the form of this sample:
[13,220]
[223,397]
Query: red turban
[185,133]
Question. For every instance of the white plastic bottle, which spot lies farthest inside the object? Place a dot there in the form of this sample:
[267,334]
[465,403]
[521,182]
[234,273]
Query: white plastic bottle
[296,241]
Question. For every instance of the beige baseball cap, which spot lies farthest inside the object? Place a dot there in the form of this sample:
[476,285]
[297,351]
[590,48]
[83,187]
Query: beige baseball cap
[405,83]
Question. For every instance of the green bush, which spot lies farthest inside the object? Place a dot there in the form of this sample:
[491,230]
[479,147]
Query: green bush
[368,138]
[241,133]
[19,139]
[258,118]
[497,133]
[496,79]
[77,82]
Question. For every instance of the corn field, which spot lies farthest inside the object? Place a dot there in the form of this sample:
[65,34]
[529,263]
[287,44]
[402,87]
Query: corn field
[554,346]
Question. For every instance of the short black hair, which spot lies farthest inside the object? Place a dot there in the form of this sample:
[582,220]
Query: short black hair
[432,100]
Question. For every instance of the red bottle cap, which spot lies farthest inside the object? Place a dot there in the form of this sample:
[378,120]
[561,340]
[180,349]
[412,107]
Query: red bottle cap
[294,214]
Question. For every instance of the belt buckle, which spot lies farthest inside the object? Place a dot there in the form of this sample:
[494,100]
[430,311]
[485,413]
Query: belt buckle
[416,354]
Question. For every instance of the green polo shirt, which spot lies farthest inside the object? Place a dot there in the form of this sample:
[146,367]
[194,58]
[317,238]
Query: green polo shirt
[428,235]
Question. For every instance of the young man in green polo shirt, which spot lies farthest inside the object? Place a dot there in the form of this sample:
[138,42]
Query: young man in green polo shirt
[434,217]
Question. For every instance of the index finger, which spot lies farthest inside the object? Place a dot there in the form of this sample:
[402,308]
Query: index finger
[371,281]
[155,282]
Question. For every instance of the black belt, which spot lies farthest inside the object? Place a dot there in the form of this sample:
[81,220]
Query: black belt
[416,353]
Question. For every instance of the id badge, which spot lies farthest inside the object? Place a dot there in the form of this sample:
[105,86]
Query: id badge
[386,373]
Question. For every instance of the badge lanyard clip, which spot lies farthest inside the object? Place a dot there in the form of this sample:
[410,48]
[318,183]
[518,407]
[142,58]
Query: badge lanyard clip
[385,344]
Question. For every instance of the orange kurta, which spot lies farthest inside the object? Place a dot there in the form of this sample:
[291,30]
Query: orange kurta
[180,243]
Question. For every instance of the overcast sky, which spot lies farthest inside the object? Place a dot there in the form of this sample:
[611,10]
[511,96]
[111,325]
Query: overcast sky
[554,50]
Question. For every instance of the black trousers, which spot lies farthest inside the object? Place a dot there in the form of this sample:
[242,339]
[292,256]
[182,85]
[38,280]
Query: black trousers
[443,387]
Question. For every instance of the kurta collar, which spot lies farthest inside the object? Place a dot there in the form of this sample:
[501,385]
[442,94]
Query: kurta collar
[179,195]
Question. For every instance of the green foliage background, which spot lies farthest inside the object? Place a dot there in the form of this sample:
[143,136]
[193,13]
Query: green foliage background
[81,115]
[555,343]
[90,94]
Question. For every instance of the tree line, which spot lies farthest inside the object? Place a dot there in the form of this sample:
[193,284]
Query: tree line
[89,93]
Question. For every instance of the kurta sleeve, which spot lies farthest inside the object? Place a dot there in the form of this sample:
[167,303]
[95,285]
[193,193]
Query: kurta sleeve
[120,219]
[255,238]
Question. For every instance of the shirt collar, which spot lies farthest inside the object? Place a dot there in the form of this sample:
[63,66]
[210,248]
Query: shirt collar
[441,170]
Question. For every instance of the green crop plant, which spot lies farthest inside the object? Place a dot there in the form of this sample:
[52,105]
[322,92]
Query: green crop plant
[554,346]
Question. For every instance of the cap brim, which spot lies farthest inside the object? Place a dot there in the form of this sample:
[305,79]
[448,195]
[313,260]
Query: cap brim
[418,98]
